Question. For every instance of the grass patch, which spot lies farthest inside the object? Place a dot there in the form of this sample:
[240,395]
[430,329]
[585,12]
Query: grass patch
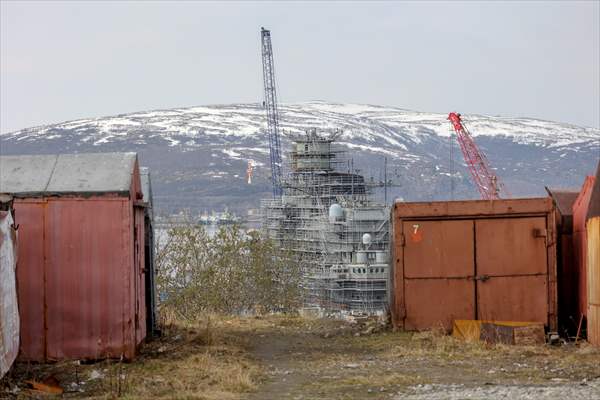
[205,359]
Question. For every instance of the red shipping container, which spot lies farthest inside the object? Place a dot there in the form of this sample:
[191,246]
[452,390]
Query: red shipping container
[580,209]
[80,268]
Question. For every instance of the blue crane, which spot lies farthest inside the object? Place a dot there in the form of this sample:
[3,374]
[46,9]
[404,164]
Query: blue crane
[270,104]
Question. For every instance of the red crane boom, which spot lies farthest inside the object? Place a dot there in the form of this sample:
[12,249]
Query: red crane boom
[486,181]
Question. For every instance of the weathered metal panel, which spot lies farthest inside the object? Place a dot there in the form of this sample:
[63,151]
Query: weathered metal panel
[593,264]
[25,173]
[551,242]
[446,270]
[513,269]
[81,257]
[66,173]
[472,208]
[474,259]
[77,278]
[31,275]
[436,303]
[438,249]
[140,279]
[511,246]
[92,172]
[580,209]
[85,300]
[9,310]
[513,298]
[146,186]
[396,295]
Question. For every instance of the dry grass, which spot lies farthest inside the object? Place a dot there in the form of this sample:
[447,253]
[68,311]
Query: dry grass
[393,361]
[226,358]
[206,359]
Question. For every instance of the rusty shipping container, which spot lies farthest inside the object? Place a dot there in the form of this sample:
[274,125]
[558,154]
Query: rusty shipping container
[593,263]
[484,260]
[580,210]
[9,310]
[80,268]
[566,272]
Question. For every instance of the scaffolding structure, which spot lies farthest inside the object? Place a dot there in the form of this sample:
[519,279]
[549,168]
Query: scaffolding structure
[327,220]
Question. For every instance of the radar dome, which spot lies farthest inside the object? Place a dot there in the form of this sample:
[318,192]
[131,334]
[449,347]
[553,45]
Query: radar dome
[336,213]
[366,239]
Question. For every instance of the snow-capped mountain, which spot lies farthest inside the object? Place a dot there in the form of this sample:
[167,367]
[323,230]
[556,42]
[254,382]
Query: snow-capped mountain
[198,155]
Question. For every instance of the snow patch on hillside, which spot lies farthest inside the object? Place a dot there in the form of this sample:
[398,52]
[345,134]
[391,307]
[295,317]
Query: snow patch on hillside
[379,129]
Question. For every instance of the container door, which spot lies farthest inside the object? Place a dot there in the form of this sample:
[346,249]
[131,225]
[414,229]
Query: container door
[438,273]
[512,272]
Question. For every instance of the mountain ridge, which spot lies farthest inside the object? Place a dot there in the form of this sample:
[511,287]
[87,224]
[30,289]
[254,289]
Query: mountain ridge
[198,155]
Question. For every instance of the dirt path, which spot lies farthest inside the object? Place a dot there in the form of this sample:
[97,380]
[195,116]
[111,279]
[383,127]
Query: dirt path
[328,361]
[283,356]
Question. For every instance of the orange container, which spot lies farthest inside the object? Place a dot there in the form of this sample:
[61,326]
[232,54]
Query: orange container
[474,260]
[593,263]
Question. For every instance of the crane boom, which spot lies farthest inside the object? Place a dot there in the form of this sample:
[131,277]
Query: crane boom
[270,105]
[485,179]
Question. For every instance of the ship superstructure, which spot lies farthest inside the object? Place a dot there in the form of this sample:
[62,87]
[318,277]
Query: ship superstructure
[328,221]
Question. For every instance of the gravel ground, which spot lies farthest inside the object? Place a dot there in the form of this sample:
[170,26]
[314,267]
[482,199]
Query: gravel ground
[573,391]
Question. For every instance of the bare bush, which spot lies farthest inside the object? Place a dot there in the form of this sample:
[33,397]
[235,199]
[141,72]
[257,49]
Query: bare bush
[232,272]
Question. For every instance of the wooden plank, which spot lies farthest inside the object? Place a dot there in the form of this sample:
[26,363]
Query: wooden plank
[529,335]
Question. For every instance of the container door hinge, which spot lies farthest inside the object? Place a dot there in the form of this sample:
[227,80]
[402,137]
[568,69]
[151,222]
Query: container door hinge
[539,233]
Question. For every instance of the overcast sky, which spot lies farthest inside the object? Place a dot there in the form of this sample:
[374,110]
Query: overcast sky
[67,60]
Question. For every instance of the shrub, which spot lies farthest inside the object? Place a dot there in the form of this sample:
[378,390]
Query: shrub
[232,272]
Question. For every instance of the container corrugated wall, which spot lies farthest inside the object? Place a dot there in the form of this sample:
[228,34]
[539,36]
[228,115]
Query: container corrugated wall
[487,260]
[593,264]
[580,208]
[78,277]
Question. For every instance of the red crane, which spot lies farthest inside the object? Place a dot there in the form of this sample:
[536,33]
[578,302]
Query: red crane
[486,181]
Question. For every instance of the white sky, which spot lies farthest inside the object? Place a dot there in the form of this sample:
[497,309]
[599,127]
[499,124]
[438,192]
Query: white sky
[67,60]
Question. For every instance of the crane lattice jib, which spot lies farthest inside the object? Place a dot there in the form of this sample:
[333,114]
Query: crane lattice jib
[272,112]
[486,181]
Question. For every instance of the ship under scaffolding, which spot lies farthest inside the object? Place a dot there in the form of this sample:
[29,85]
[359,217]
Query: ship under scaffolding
[327,220]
